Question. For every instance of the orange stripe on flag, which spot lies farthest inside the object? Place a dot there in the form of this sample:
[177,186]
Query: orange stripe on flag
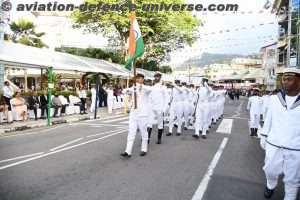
[132,42]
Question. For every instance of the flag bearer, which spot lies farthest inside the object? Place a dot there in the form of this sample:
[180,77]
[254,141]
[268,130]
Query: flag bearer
[138,118]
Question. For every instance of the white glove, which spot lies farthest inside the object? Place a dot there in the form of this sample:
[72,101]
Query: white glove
[263,141]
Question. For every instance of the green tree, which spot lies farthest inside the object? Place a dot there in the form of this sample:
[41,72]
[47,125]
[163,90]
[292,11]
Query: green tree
[55,78]
[24,32]
[163,31]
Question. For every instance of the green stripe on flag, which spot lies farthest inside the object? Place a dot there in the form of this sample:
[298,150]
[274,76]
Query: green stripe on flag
[138,52]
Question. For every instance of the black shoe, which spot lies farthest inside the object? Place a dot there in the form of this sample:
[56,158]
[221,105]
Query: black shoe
[185,128]
[86,113]
[268,193]
[209,126]
[215,123]
[255,132]
[203,136]
[158,141]
[178,134]
[169,134]
[125,155]
[252,132]
[159,135]
[35,119]
[200,132]
[82,113]
[175,125]
[196,136]
[143,153]
[207,131]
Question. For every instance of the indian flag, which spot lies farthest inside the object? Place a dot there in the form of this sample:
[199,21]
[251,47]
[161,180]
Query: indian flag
[136,44]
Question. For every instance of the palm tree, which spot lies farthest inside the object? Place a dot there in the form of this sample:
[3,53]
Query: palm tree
[24,32]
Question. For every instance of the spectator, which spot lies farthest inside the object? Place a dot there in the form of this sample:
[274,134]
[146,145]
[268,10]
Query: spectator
[34,104]
[93,97]
[8,93]
[82,96]
[4,108]
[102,97]
[110,99]
[19,106]
[56,104]
[64,102]
[44,103]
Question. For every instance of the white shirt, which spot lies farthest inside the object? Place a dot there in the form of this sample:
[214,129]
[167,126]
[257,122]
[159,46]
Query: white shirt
[290,101]
[93,92]
[185,94]
[282,127]
[143,95]
[265,100]
[176,93]
[8,91]
[204,93]
[110,94]
[159,96]
[82,94]
[254,105]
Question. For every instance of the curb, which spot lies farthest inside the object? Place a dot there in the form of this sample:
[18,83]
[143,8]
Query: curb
[55,122]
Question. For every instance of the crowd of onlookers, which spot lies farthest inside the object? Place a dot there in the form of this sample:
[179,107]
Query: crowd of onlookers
[11,101]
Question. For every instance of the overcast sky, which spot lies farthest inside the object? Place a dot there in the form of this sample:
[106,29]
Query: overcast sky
[212,23]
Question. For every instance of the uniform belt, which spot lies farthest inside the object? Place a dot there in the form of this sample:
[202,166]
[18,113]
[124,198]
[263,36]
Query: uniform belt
[283,147]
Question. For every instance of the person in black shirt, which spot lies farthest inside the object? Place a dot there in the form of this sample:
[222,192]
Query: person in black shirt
[44,103]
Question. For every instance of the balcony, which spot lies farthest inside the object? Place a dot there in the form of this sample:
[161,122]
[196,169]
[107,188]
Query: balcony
[282,43]
[283,20]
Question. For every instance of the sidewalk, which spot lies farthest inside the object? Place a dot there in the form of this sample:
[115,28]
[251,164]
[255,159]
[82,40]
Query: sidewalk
[31,123]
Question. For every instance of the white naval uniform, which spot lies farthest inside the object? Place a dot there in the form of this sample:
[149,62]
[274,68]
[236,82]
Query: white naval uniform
[215,106]
[138,118]
[186,106]
[110,100]
[93,92]
[202,110]
[158,105]
[176,111]
[222,97]
[265,100]
[281,140]
[254,105]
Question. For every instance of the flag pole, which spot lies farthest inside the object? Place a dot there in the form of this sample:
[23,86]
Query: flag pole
[134,83]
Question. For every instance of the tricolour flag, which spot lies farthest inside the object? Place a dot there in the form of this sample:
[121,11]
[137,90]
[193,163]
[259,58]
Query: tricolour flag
[136,44]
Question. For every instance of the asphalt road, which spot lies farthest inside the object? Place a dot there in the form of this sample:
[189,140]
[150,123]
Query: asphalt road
[81,161]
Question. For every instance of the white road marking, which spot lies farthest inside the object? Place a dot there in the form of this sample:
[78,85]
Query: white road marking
[96,124]
[49,129]
[205,181]
[26,156]
[18,135]
[126,122]
[54,152]
[102,133]
[241,104]
[66,144]
[107,117]
[225,126]
[114,120]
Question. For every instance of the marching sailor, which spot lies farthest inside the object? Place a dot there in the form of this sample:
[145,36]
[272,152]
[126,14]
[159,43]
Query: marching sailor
[186,104]
[254,105]
[138,118]
[202,109]
[159,103]
[281,137]
[176,111]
